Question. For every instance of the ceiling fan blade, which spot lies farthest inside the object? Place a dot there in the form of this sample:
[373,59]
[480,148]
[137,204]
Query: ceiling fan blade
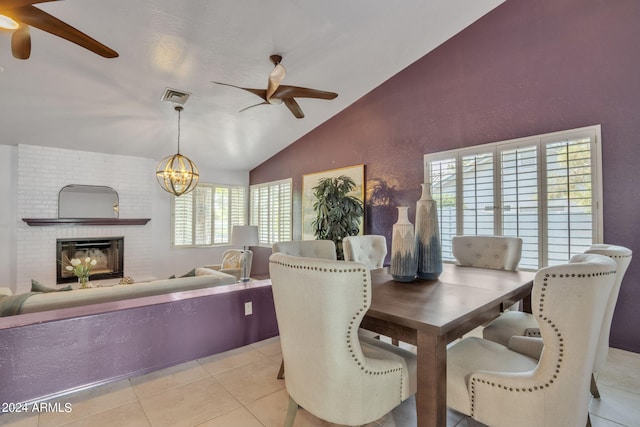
[251,106]
[285,91]
[12,4]
[40,19]
[294,107]
[275,78]
[21,42]
[258,92]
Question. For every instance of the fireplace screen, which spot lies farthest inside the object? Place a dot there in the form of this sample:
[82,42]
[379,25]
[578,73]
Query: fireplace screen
[107,251]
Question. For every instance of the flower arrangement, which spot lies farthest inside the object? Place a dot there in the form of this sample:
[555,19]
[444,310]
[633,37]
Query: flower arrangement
[82,270]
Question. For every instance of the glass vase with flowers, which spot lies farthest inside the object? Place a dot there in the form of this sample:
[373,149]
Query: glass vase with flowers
[82,270]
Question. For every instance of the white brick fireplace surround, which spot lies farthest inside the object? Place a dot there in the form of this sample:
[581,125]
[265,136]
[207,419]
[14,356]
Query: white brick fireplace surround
[43,171]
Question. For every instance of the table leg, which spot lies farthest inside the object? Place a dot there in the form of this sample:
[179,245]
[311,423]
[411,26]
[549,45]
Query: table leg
[431,398]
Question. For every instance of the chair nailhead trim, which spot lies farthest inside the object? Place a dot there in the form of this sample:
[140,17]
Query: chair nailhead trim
[559,337]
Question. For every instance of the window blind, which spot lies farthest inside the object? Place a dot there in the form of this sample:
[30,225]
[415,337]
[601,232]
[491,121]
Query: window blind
[544,189]
[271,206]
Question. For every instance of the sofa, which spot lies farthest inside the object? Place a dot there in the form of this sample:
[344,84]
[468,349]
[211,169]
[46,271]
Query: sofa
[32,302]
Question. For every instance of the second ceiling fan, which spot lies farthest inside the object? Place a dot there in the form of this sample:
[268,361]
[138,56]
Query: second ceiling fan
[275,93]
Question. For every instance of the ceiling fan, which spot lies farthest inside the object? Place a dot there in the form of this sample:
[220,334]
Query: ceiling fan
[275,93]
[22,14]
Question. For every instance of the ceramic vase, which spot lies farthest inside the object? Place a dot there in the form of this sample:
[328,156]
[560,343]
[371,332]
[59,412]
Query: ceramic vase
[403,248]
[428,248]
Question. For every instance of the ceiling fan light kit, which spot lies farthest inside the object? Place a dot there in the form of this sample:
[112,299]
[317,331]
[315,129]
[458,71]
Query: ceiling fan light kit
[177,174]
[276,93]
[25,14]
[8,23]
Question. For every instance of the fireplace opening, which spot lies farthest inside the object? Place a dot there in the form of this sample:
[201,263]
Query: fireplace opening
[107,251]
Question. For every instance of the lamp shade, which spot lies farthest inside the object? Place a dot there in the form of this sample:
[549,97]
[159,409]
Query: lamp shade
[244,235]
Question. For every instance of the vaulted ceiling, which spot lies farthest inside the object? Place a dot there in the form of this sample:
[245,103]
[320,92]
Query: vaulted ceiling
[68,97]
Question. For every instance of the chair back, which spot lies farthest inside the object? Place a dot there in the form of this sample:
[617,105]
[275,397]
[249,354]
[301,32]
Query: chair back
[622,257]
[568,302]
[319,306]
[324,249]
[495,252]
[370,250]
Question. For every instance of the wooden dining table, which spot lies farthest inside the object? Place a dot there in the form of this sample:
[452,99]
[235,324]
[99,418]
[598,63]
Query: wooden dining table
[432,313]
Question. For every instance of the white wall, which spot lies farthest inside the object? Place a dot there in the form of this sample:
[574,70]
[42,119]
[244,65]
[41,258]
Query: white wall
[8,175]
[40,174]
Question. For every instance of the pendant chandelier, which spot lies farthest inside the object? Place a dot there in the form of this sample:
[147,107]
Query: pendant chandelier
[177,174]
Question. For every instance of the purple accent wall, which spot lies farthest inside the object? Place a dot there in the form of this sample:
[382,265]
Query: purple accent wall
[52,352]
[526,68]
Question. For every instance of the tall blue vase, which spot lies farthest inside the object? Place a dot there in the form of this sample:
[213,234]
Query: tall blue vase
[428,247]
[403,248]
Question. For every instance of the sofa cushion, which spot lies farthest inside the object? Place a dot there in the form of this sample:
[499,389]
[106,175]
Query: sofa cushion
[39,287]
[6,291]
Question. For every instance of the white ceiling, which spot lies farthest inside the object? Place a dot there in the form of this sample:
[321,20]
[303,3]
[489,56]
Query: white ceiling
[65,96]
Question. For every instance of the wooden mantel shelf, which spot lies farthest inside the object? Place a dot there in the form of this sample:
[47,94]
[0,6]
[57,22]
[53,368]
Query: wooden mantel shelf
[85,221]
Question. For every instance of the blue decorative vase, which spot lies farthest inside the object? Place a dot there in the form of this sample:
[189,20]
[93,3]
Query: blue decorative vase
[403,248]
[428,247]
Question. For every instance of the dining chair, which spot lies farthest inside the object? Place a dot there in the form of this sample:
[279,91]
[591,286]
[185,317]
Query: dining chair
[495,252]
[331,371]
[324,249]
[368,249]
[496,385]
[516,323]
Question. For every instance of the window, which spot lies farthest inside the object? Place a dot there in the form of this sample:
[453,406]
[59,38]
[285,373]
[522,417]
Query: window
[271,209]
[544,189]
[204,216]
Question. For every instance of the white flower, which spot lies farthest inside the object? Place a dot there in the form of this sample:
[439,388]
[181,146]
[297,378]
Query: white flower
[87,260]
[94,262]
[69,268]
[75,261]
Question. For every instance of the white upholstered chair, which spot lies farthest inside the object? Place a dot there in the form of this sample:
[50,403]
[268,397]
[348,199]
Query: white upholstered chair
[500,387]
[232,262]
[324,249]
[332,372]
[370,250]
[495,252]
[516,323]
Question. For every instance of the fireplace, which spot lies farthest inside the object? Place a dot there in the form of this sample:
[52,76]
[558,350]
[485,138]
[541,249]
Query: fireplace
[107,251]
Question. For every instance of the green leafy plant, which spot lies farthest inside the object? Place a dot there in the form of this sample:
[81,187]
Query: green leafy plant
[338,214]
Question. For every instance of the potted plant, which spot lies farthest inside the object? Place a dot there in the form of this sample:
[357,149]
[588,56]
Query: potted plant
[338,214]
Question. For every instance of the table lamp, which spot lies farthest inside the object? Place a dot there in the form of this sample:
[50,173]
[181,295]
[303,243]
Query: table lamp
[245,236]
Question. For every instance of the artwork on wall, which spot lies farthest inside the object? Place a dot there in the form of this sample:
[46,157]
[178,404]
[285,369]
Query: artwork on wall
[311,180]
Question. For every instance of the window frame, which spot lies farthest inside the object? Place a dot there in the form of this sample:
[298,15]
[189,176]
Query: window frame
[541,143]
[229,214]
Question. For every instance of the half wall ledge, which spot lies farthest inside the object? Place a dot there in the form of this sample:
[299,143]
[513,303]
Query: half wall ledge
[85,221]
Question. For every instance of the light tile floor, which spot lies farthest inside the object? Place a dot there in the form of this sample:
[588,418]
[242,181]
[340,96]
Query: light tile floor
[239,389]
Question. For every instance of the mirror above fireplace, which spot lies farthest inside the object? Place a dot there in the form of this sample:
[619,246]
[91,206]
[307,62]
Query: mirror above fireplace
[88,201]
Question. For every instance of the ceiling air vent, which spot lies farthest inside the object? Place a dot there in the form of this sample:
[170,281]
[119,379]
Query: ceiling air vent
[175,96]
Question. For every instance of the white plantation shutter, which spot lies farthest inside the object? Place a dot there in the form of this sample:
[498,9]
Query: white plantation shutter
[544,189]
[204,216]
[520,202]
[477,193]
[183,219]
[442,175]
[569,195]
[271,206]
